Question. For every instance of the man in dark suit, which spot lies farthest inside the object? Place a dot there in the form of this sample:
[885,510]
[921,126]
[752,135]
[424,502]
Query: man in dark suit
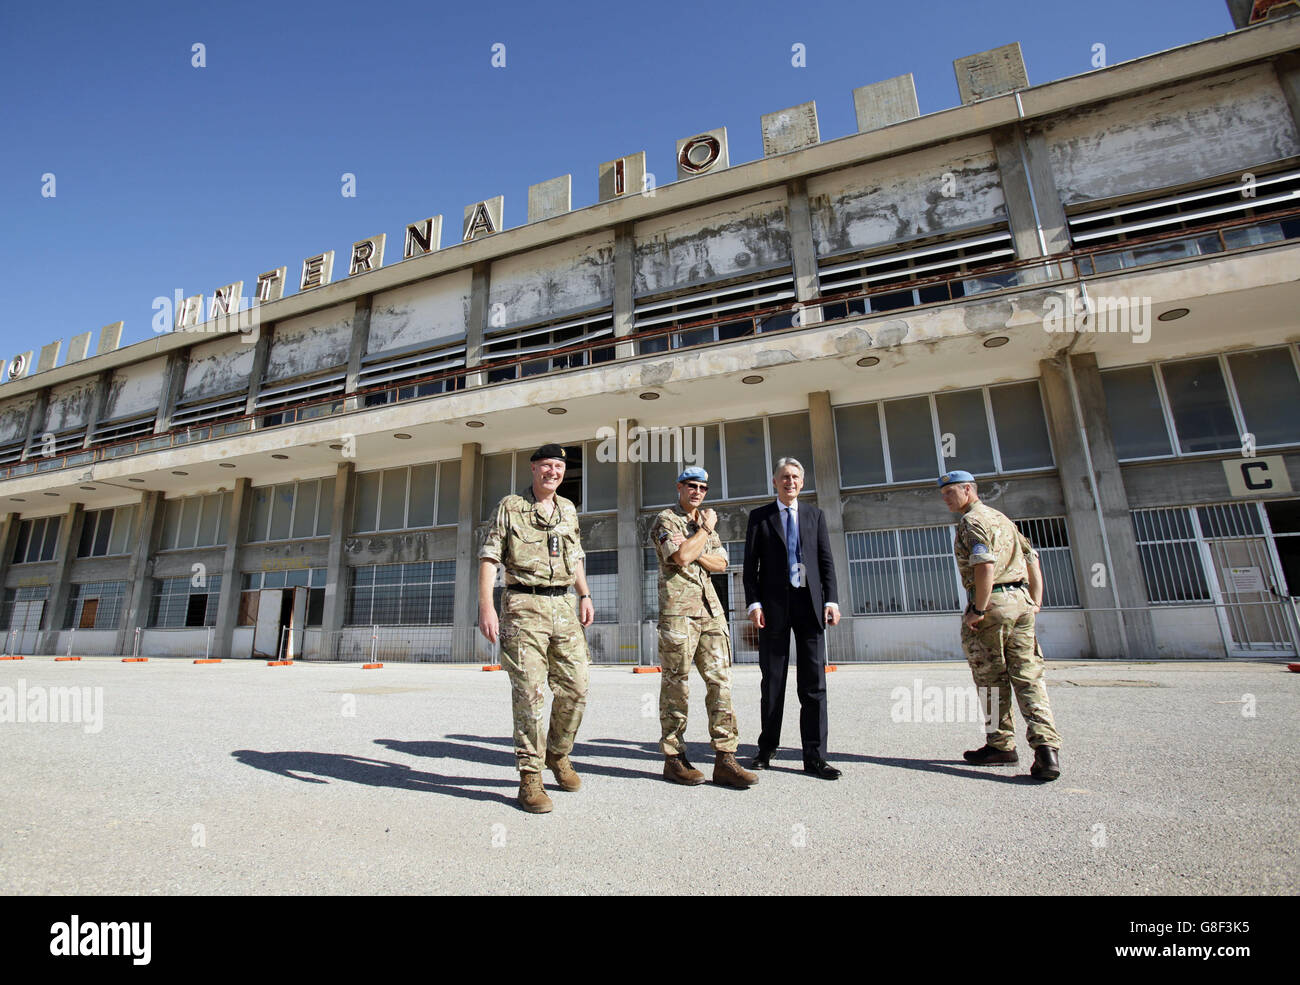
[790,587]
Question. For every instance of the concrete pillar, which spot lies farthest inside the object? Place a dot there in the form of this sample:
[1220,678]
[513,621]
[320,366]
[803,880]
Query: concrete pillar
[139,569]
[826,459]
[36,422]
[9,526]
[803,254]
[336,585]
[1288,77]
[624,279]
[1034,211]
[1131,637]
[465,614]
[69,538]
[630,554]
[357,348]
[480,282]
[178,364]
[103,383]
[241,501]
[260,353]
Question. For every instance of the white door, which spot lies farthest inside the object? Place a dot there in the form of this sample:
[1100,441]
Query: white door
[266,637]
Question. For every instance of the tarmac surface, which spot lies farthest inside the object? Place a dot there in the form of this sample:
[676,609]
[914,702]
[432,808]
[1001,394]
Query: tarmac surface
[239,778]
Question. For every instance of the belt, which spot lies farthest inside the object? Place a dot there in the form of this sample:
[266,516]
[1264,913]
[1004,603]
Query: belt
[539,589]
[1008,586]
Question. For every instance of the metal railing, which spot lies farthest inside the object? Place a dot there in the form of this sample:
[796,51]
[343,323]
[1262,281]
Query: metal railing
[1067,266]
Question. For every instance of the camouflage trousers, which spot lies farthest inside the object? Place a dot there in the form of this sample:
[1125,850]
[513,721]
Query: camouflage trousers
[1004,654]
[542,641]
[703,641]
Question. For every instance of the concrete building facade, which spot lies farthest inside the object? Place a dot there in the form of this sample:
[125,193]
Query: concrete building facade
[1084,292]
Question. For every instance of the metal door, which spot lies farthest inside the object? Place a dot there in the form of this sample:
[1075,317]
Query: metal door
[1253,615]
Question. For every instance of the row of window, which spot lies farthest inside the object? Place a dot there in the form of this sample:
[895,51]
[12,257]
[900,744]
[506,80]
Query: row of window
[1206,404]
[406,498]
[292,510]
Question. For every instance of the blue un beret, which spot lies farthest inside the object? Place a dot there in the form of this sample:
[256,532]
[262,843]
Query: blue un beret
[957,475]
[693,473]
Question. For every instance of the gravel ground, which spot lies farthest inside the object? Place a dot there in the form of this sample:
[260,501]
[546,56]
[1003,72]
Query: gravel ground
[242,778]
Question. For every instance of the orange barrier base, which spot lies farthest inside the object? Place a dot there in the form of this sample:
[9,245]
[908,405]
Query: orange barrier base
[10,658]
[61,659]
[646,670]
[1294,668]
[830,668]
[135,660]
[213,660]
[279,663]
[371,666]
[491,666]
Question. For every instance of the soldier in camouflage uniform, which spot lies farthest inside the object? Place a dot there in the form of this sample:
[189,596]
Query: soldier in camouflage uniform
[693,630]
[999,569]
[535,536]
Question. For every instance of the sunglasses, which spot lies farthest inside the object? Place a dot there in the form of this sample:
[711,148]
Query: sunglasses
[701,486]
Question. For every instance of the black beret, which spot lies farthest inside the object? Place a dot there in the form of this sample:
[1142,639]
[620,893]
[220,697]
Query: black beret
[548,451]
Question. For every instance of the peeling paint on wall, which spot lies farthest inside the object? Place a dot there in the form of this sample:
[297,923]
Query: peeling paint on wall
[136,388]
[431,311]
[70,405]
[400,548]
[1171,136]
[14,419]
[713,242]
[310,343]
[222,366]
[559,280]
[921,194]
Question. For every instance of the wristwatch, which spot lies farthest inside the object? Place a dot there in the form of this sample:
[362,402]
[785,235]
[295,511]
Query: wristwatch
[979,612]
[584,597]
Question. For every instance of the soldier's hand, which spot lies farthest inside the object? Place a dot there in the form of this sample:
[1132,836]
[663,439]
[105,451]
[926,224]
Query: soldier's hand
[677,540]
[586,612]
[488,624]
[756,617]
[970,619]
[710,519]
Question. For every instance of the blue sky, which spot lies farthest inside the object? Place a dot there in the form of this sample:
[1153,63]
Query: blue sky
[170,177]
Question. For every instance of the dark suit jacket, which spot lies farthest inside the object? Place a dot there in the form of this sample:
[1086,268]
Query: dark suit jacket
[767,571]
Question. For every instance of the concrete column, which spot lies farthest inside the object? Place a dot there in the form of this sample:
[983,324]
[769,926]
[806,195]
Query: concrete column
[480,282]
[69,537]
[336,585]
[36,422]
[178,364]
[357,348]
[1033,202]
[624,279]
[1131,636]
[1288,77]
[803,254]
[630,548]
[97,404]
[465,614]
[821,421]
[260,353]
[148,532]
[241,501]
[9,526]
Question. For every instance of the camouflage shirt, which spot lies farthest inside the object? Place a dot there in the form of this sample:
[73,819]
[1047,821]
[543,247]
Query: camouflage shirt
[536,550]
[985,536]
[684,591]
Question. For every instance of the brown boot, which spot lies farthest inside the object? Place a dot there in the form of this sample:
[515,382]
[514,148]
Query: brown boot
[679,770]
[532,795]
[728,773]
[565,775]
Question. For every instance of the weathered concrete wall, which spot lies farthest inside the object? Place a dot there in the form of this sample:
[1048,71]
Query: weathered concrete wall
[70,405]
[921,194]
[13,418]
[574,276]
[1187,483]
[314,342]
[401,548]
[220,366]
[431,311]
[713,242]
[136,388]
[1171,136]
[1036,496]
[98,569]
[285,556]
[180,564]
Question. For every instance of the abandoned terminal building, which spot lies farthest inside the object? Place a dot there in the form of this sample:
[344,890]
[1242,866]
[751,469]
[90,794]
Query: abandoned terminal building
[1085,292]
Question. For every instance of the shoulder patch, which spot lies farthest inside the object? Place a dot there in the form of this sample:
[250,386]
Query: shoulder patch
[663,535]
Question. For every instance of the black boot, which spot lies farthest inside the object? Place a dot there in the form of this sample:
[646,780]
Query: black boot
[1047,766]
[986,755]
